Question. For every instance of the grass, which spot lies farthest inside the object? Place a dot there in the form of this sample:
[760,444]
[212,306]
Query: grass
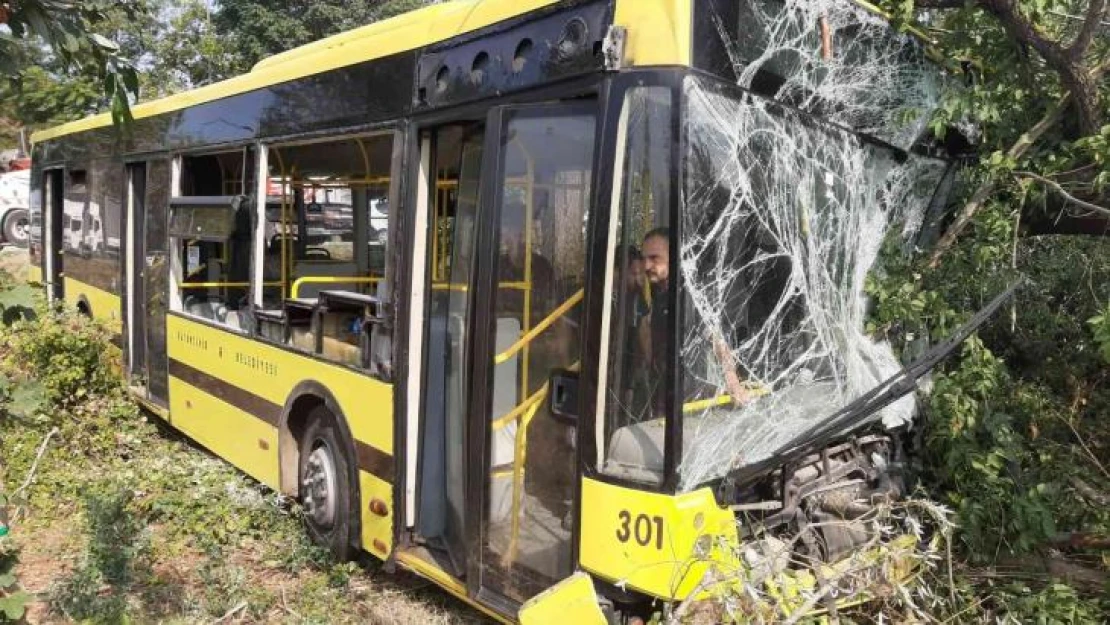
[127,521]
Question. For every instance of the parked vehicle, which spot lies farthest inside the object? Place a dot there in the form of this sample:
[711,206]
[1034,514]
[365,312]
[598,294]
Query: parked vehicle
[15,220]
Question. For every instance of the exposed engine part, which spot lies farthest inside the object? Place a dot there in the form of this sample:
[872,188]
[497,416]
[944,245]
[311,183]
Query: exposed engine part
[819,508]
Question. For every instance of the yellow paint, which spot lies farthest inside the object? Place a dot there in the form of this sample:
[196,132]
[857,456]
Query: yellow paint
[228,432]
[446,582]
[669,567]
[403,33]
[272,373]
[34,273]
[572,600]
[375,527]
[105,306]
[659,31]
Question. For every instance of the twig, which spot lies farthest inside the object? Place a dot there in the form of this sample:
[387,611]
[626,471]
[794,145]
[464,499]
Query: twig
[1093,458]
[230,613]
[1089,492]
[35,464]
[285,606]
[1055,186]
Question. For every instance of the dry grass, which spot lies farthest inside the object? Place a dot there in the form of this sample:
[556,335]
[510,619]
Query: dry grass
[13,260]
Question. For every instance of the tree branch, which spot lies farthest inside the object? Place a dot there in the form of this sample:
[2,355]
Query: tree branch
[1087,32]
[984,191]
[1055,186]
[1018,149]
[939,4]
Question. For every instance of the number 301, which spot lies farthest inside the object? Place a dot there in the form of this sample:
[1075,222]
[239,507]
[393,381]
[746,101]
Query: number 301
[646,530]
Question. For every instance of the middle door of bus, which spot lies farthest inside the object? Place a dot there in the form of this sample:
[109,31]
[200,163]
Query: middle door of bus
[508,275]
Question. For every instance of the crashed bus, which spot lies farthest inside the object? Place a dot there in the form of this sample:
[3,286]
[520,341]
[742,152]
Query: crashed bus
[557,304]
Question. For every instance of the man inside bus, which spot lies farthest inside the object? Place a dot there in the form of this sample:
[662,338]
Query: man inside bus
[656,259]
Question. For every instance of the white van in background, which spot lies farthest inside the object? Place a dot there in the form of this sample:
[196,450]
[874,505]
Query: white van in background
[15,196]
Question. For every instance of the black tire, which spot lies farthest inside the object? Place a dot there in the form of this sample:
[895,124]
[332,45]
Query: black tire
[330,518]
[17,227]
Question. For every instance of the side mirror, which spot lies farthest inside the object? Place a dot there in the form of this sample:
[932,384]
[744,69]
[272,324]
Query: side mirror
[563,396]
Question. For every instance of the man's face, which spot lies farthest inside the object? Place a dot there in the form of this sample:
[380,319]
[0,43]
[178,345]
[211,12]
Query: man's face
[657,259]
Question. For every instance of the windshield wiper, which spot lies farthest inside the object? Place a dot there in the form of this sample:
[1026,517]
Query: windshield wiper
[856,413]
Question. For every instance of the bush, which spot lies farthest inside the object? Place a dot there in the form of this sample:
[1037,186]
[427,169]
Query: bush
[65,351]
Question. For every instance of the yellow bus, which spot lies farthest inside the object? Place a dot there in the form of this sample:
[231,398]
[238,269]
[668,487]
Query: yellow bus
[399,274]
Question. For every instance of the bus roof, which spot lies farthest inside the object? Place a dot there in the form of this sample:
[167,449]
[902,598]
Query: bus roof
[422,27]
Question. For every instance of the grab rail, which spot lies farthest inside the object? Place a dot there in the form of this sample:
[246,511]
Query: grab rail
[296,290]
[528,337]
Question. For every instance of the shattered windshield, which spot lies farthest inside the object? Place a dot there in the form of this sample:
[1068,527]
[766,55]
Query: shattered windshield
[783,217]
[781,221]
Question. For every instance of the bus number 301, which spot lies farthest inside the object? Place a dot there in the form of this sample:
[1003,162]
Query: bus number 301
[646,530]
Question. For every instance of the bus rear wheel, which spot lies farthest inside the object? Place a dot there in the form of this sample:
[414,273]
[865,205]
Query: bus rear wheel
[325,487]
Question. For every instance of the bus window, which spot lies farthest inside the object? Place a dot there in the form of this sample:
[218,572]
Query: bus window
[327,218]
[636,386]
[210,228]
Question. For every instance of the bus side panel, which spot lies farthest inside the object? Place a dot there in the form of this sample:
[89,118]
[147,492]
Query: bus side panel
[251,377]
[104,306]
[241,438]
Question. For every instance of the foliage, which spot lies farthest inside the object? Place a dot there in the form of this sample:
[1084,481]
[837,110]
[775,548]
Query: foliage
[259,28]
[67,354]
[13,601]
[115,558]
[1100,325]
[70,32]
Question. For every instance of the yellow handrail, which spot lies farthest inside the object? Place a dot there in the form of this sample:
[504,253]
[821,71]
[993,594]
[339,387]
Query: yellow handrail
[529,336]
[214,285]
[721,400]
[463,288]
[329,280]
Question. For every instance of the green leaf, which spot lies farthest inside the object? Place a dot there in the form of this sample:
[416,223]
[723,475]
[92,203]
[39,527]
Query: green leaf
[14,606]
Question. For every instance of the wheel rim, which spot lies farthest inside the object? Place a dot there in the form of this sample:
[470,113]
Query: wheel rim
[21,229]
[319,486]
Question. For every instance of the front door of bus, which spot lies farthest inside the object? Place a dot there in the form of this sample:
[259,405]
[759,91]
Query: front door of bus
[536,258]
[508,212]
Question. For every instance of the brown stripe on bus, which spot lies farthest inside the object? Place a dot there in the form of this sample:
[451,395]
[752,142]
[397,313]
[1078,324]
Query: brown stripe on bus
[241,398]
[374,461]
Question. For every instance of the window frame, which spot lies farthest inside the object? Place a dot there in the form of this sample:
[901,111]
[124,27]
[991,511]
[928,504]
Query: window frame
[175,277]
[593,439]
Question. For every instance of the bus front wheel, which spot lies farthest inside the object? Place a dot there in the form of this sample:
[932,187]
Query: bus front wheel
[325,485]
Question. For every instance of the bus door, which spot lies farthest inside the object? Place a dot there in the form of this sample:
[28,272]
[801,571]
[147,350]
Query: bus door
[52,232]
[538,202]
[508,208]
[147,277]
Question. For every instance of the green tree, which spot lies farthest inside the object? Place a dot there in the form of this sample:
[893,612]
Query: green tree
[256,29]
[68,34]
[186,52]
[1038,98]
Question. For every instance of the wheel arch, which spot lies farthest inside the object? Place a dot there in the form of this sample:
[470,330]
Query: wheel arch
[84,307]
[305,397]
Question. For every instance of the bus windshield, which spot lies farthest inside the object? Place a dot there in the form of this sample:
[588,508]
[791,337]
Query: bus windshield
[782,219]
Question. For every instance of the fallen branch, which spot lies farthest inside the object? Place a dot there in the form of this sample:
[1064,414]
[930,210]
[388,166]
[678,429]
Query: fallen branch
[1089,492]
[987,187]
[35,464]
[230,613]
[1081,540]
[1055,186]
